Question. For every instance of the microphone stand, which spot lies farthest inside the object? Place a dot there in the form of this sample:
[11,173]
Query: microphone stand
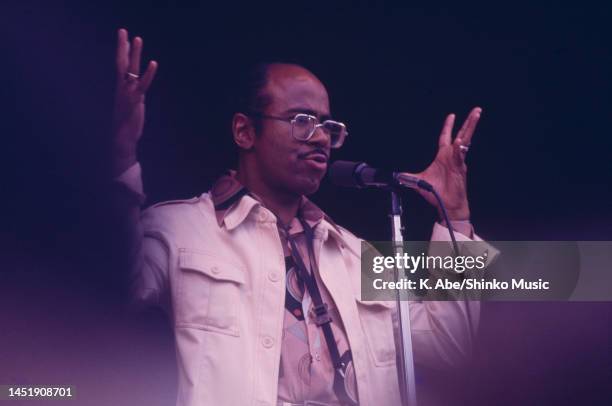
[405,366]
[406,360]
[360,175]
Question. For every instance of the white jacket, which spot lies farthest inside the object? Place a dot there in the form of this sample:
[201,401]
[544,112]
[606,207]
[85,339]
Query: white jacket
[224,288]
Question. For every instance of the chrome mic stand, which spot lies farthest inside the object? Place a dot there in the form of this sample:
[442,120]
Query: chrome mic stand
[406,361]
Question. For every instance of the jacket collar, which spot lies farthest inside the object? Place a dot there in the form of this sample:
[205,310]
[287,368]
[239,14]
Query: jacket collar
[233,202]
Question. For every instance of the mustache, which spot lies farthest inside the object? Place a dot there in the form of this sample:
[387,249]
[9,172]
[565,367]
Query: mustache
[313,152]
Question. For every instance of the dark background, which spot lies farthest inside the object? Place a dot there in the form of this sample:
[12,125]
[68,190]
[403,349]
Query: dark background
[540,166]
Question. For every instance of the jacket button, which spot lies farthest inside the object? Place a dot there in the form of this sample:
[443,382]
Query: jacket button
[263,216]
[267,342]
[215,270]
[273,276]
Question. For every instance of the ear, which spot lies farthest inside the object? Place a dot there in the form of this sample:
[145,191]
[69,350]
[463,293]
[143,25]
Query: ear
[243,131]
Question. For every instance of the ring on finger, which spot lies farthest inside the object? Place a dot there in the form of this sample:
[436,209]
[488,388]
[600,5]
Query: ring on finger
[130,75]
[464,148]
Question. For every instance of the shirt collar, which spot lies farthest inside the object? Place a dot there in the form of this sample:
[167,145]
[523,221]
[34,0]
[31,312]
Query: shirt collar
[233,202]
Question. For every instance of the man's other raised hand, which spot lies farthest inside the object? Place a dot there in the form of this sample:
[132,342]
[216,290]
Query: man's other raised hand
[129,109]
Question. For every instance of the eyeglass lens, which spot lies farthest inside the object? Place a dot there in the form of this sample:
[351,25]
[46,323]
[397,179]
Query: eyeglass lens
[304,126]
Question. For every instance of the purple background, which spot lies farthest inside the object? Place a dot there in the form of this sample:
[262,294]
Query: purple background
[539,168]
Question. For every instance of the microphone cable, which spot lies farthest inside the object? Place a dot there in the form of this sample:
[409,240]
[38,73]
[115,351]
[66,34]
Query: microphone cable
[429,188]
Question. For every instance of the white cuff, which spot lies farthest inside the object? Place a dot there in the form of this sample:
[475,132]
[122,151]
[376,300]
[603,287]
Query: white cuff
[440,233]
[132,178]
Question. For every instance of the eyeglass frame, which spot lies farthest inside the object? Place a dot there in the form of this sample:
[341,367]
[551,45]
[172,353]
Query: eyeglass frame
[310,116]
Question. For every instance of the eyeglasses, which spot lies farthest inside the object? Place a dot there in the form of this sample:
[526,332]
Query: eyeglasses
[303,127]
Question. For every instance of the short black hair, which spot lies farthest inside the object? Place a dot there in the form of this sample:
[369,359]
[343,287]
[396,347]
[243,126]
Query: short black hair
[250,96]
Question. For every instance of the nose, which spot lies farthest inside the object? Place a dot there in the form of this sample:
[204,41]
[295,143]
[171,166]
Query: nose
[320,138]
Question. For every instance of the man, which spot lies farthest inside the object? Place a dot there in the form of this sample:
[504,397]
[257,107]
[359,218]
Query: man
[263,289]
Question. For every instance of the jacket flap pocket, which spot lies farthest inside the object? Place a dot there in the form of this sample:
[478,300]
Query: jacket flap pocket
[382,304]
[211,266]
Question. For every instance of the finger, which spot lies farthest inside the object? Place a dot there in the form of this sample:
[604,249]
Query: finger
[447,131]
[147,77]
[123,50]
[459,154]
[464,136]
[135,53]
[465,124]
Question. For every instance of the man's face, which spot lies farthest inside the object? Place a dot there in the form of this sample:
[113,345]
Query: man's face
[286,164]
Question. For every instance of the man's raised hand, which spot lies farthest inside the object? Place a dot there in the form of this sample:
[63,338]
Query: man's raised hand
[448,171]
[129,109]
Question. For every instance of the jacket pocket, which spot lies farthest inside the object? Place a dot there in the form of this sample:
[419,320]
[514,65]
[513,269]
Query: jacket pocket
[209,293]
[377,325]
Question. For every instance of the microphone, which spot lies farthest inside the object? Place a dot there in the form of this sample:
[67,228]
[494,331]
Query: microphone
[361,175]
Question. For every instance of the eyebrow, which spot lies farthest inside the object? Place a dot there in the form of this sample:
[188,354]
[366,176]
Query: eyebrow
[321,118]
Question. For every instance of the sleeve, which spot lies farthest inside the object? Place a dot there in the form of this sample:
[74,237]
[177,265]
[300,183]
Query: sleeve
[148,249]
[443,331]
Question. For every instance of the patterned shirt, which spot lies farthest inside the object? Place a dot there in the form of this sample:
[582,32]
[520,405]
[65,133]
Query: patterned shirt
[306,368]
